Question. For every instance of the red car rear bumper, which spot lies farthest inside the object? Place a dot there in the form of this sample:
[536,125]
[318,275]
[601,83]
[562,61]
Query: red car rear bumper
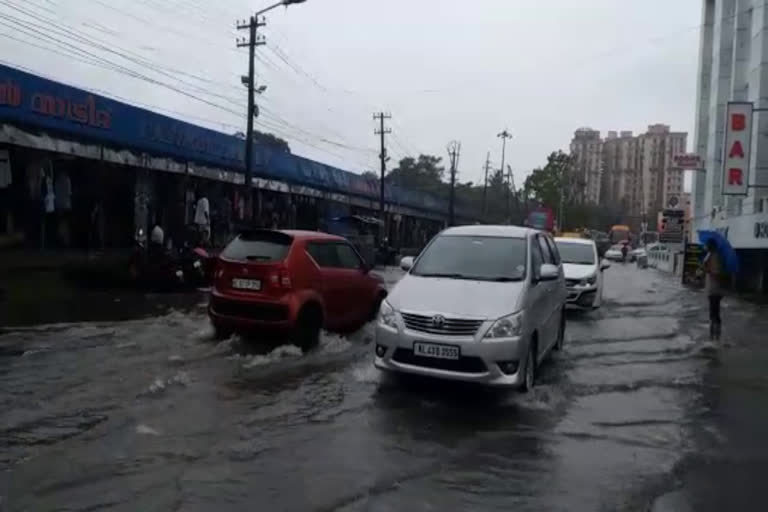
[239,314]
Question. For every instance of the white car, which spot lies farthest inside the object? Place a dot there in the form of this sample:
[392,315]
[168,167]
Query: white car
[614,253]
[483,304]
[583,272]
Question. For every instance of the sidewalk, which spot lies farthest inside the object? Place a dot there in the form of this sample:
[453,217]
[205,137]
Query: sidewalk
[21,260]
[727,468]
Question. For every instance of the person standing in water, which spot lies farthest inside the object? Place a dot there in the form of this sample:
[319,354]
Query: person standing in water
[713,273]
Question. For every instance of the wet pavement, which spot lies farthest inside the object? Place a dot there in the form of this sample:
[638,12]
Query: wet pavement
[639,412]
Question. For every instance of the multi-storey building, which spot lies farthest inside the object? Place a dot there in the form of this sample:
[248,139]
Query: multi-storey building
[586,167]
[660,180]
[621,173]
[632,174]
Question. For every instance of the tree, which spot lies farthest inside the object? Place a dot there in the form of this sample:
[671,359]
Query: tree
[545,185]
[370,175]
[267,139]
[424,174]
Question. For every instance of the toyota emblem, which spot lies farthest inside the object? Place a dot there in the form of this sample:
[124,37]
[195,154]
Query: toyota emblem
[438,321]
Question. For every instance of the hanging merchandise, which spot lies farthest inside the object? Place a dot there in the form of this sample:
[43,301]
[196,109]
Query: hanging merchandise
[63,190]
[49,197]
[6,178]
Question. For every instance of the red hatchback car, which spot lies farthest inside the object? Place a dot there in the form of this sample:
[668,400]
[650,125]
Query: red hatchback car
[294,283]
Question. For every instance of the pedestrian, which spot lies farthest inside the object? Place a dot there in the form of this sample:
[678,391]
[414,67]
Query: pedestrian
[203,218]
[713,271]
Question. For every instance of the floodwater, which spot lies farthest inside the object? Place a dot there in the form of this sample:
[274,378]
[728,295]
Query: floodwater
[152,414]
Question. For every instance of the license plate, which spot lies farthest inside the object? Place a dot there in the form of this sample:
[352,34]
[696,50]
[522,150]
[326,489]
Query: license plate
[246,284]
[436,351]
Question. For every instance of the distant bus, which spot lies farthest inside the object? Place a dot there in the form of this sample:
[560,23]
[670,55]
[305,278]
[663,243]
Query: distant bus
[619,233]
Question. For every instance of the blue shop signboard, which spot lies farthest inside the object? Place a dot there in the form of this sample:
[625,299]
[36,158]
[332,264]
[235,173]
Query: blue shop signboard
[40,103]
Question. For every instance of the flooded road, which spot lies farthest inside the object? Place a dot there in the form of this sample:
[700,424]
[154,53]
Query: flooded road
[152,414]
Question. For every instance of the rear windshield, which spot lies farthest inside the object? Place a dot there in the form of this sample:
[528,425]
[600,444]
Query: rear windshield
[258,246]
[577,254]
[483,258]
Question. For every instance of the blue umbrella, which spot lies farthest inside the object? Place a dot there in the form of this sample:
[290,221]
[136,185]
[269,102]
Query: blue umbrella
[724,247]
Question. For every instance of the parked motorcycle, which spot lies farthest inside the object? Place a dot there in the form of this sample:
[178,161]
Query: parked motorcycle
[152,267]
[197,265]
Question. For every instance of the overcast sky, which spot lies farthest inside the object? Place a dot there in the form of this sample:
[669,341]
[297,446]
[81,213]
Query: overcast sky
[444,69]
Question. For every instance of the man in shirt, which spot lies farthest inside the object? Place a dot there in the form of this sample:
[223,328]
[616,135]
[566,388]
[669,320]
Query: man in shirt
[203,218]
[713,270]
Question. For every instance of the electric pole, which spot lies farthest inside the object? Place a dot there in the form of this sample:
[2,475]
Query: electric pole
[252,42]
[381,131]
[454,151]
[504,136]
[511,189]
[485,183]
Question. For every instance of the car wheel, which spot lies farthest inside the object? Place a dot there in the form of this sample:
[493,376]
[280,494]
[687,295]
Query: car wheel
[308,327]
[561,332]
[529,379]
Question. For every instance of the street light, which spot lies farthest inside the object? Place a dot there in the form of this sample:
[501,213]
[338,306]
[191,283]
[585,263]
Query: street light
[278,4]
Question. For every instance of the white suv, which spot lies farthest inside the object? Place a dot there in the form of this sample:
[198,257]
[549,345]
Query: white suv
[481,304]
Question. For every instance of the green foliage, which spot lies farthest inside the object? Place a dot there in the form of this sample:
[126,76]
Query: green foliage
[268,139]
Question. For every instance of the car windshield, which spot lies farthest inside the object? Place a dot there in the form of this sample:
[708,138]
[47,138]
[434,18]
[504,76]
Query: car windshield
[483,258]
[258,246]
[577,254]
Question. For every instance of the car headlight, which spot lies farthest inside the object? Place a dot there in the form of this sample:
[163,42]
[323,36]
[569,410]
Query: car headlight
[506,327]
[387,315]
[591,280]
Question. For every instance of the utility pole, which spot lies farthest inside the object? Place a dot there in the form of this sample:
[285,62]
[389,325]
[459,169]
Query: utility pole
[454,151]
[504,136]
[485,184]
[381,131]
[511,189]
[252,42]
[564,175]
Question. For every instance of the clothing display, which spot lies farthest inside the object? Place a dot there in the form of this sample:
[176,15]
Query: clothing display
[63,191]
[6,178]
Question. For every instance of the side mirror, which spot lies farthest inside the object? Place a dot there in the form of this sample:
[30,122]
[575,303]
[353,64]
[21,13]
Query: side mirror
[605,264]
[406,263]
[548,272]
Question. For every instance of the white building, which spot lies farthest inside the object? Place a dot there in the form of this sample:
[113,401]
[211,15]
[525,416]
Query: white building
[587,154]
[635,174]
[733,66]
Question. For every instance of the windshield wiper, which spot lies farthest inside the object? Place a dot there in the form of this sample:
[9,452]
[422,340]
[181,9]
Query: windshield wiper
[257,257]
[447,275]
[503,279]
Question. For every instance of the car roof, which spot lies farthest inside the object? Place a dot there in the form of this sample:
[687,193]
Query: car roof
[580,241]
[490,230]
[311,235]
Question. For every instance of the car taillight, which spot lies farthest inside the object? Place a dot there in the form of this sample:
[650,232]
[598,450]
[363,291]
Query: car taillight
[280,279]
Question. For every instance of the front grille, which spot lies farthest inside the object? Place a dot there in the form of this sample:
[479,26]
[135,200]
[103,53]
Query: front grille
[464,364]
[570,283]
[249,310]
[448,327]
